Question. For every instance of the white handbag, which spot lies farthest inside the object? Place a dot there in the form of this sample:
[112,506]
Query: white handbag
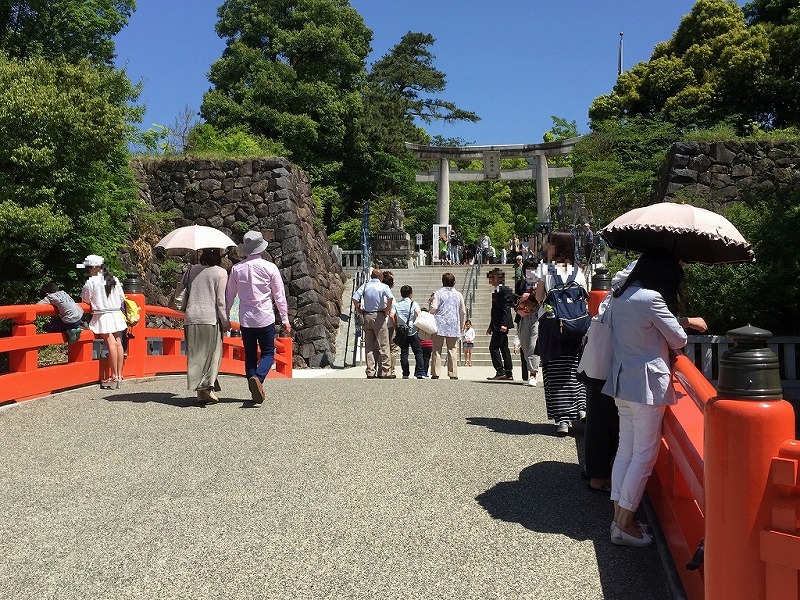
[598,351]
[426,322]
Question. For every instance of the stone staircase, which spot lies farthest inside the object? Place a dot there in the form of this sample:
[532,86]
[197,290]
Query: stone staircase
[423,281]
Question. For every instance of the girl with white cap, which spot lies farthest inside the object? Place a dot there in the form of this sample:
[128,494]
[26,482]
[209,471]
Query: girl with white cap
[103,292]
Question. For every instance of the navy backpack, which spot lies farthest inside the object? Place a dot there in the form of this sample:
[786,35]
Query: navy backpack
[567,311]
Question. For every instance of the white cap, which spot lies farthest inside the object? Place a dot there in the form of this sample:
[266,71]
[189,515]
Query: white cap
[93,260]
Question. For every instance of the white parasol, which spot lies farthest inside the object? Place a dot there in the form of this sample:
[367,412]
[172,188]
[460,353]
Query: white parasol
[694,235]
[195,237]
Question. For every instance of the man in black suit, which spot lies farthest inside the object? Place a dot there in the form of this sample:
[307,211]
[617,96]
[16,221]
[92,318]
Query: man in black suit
[499,325]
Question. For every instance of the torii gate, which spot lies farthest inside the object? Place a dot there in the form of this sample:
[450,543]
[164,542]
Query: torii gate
[491,155]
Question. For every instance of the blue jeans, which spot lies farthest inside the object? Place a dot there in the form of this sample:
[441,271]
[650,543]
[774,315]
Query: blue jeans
[252,338]
[419,362]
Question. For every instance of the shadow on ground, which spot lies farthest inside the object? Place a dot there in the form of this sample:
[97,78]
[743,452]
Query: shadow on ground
[550,497]
[174,400]
[512,426]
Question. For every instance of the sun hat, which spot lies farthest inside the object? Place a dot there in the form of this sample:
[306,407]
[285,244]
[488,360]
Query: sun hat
[254,243]
[93,260]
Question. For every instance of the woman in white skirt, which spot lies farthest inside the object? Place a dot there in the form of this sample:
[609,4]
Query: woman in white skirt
[103,292]
[204,323]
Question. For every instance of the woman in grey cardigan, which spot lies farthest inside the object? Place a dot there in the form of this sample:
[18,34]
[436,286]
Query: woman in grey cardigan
[204,323]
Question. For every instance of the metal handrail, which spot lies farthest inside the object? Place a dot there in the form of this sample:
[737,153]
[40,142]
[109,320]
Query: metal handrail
[470,288]
[468,291]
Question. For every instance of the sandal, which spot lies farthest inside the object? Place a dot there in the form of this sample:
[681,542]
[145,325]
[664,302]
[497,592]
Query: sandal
[603,489]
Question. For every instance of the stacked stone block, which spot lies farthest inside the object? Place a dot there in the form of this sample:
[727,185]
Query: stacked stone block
[724,172]
[269,195]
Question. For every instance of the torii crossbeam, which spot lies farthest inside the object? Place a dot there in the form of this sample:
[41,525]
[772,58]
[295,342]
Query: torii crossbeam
[491,155]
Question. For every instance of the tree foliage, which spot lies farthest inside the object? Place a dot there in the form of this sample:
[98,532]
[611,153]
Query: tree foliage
[72,29]
[718,67]
[291,71]
[207,140]
[762,293]
[618,164]
[63,160]
[402,82]
[295,71]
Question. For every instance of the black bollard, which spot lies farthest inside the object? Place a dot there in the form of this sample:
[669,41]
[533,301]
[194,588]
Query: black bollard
[750,369]
[132,284]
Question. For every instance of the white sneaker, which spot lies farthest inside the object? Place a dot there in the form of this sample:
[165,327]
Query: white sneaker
[620,538]
[562,429]
[532,381]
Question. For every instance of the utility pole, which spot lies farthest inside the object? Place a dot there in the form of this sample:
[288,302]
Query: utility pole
[619,58]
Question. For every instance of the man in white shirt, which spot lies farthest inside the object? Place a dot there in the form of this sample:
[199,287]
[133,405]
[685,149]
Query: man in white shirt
[374,301]
[258,284]
[485,244]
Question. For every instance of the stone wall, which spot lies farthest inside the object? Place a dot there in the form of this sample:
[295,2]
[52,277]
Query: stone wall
[269,195]
[724,172]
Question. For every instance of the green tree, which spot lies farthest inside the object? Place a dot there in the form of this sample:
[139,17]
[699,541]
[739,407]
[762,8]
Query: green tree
[207,140]
[781,87]
[63,159]
[561,130]
[772,11]
[730,296]
[617,165]
[401,88]
[73,29]
[292,71]
[713,70]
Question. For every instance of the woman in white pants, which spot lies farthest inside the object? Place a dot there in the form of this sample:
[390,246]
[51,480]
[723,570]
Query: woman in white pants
[645,334]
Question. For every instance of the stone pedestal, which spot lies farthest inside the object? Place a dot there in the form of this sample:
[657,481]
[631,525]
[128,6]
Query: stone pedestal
[392,249]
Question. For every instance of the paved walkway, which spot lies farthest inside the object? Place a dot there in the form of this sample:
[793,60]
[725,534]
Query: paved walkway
[337,487]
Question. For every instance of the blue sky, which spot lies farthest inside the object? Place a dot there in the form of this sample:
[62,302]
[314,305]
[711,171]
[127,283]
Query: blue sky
[513,62]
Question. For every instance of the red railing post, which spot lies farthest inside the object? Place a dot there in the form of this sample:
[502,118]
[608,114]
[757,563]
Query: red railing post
[745,426]
[283,356]
[137,345]
[601,285]
[27,359]
[780,545]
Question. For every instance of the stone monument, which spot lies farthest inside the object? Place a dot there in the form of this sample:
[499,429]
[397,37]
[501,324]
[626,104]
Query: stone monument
[392,247]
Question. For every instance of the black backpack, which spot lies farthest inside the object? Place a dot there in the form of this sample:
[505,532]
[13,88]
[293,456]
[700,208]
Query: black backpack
[567,311]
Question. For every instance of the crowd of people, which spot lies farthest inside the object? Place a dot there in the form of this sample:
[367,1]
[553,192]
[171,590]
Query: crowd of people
[622,413]
[453,250]
[208,294]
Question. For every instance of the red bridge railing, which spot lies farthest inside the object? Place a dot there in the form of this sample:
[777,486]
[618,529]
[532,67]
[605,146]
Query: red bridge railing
[728,473]
[676,486]
[26,379]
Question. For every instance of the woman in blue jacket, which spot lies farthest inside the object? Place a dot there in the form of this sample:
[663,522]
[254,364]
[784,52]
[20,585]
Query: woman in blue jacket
[646,333]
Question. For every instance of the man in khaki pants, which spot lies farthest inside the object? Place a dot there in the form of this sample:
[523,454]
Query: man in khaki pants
[374,301]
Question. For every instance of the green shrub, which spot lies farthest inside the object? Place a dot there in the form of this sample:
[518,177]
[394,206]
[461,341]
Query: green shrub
[207,141]
[763,293]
